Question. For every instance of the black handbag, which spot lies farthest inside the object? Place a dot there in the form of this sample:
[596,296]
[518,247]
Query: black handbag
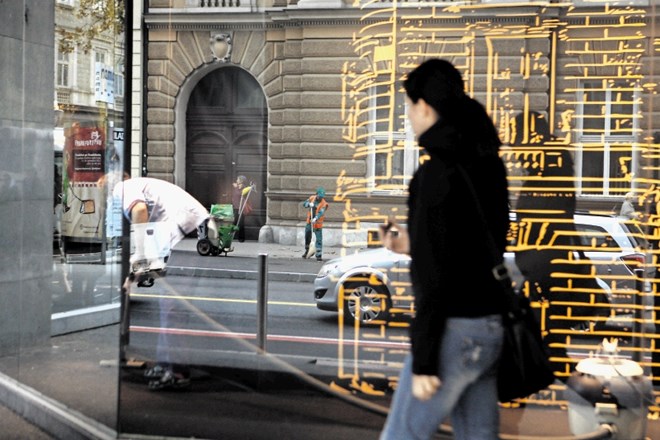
[524,366]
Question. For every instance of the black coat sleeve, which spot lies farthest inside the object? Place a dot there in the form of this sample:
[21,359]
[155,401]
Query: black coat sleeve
[428,229]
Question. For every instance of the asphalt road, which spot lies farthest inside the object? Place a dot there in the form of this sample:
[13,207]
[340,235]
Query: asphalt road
[207,315]
[211,326]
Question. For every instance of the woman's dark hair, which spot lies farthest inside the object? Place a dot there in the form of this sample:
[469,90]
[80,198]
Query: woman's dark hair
[441,86]
[437,82]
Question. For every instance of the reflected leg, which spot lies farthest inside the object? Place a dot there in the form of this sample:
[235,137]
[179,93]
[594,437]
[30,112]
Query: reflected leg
[170,371]
[318,232]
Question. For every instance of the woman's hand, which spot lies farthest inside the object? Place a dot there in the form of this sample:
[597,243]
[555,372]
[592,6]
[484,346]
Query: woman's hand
[424,387]
[395,238]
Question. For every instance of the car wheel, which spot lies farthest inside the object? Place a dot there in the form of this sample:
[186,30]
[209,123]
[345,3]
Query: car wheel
[366,302]
[204,247]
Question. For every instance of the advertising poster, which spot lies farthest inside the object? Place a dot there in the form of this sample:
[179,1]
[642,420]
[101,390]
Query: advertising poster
[115,164]
[104,83]
[83,163]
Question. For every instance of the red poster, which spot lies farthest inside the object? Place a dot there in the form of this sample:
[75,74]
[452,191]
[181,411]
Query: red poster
[85,151]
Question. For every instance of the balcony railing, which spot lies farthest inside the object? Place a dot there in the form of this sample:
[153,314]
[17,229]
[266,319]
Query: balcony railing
[220,3]
[63,96]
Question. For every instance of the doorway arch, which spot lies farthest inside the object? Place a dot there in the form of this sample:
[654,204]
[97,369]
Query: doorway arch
[226,123]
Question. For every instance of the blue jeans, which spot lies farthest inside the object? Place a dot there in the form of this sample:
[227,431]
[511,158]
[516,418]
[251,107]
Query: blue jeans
[469,355]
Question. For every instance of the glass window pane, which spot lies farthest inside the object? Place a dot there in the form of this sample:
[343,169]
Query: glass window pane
[309,96]
[595,238]
[595,104]
[622,110]
[592,168]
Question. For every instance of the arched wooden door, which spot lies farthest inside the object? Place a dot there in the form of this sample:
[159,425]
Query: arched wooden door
[226,137]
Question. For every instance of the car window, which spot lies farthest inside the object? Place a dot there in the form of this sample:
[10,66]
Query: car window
[596,238]
[590,236]
[636,235]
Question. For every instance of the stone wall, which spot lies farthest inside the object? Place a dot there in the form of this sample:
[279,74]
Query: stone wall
[302,83]
[298,58]
[26,173]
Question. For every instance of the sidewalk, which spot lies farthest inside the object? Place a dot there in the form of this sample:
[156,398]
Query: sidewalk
[284,262]
[14,426]
[253,248]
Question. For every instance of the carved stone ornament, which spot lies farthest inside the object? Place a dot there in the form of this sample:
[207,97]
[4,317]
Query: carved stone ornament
[221,47]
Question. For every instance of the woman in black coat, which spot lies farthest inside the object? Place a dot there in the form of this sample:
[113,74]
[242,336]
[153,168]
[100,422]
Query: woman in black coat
[456,334]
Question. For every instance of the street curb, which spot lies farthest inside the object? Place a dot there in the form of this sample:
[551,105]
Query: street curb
[238,274]
[50,415]
[83,319]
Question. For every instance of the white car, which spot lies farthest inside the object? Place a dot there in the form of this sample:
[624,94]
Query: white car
[368,280]
[375,283]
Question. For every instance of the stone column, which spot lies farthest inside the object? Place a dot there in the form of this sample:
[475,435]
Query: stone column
[26,174]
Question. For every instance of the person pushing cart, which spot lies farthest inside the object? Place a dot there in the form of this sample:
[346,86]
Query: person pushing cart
[228,219]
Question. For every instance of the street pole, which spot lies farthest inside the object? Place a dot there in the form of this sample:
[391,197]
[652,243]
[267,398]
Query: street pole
[638,316]
[103,110]
[126,228]
[262,302]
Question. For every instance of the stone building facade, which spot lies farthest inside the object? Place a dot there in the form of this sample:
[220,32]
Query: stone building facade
[328,72]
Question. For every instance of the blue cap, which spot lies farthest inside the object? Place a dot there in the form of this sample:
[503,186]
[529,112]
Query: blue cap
[320,191]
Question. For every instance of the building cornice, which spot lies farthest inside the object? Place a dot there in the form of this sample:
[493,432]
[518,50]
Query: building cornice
[293,17]
[206,21]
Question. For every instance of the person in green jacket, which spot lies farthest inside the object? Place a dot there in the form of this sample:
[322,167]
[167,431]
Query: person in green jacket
[317,206]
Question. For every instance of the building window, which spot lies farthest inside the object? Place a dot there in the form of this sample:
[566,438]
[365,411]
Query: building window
[119,78]
[62,71]
[99,62]
[393,154]
[102,82]
[99,56]
[606,127]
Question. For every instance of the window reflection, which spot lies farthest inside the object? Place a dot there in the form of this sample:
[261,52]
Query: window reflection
[295,102]
[589,98]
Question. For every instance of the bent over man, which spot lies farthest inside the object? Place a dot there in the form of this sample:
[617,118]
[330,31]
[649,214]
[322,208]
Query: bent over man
[151,201]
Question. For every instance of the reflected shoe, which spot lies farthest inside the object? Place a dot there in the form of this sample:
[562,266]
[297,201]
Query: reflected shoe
[155,372]
[319,259]
[169,381]
[144,280]
[139,267]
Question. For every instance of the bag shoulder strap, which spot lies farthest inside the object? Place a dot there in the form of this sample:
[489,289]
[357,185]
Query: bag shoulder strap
[495,255]
[499,270]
